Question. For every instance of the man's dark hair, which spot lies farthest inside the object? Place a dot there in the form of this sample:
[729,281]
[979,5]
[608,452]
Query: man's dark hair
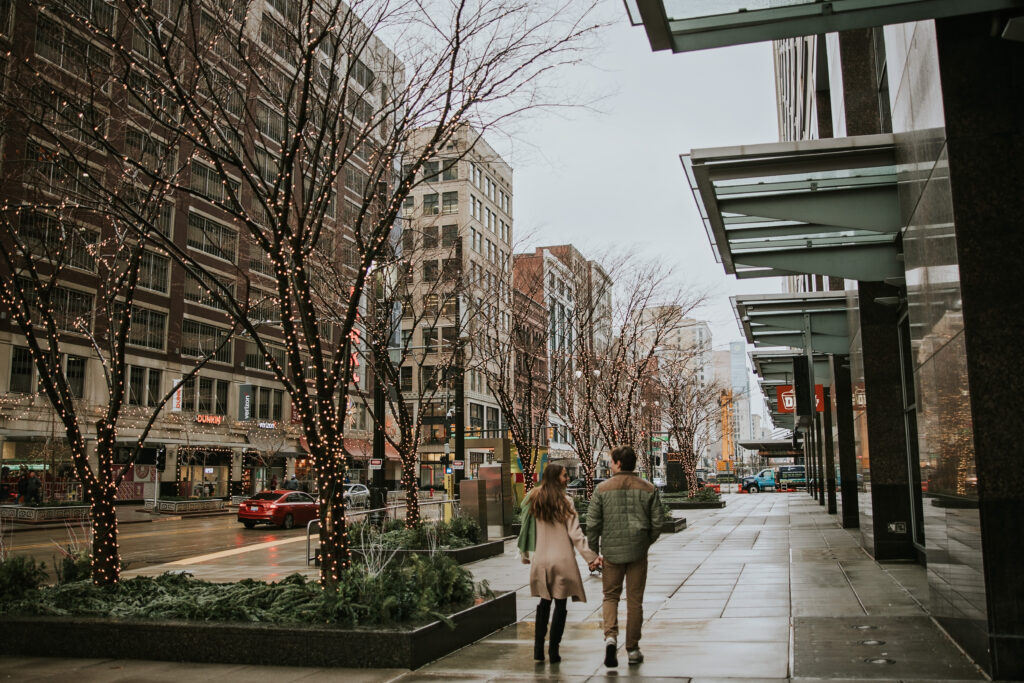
[625,456]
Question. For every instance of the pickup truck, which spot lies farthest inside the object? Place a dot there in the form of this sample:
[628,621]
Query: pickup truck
[765,479]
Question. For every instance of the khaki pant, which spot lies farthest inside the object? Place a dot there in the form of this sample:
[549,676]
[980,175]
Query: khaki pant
[635,575]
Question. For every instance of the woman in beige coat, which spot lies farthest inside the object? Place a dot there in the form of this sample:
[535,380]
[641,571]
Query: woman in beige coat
[554,575]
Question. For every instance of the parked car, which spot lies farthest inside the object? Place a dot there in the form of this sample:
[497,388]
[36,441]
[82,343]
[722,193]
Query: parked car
[281,508]
[357,495]
[576,486]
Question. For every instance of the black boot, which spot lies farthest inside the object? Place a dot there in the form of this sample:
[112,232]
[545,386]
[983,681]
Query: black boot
[543,611]
[557,627]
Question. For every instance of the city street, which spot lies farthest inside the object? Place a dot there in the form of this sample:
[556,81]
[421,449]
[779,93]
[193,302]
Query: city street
[163,540]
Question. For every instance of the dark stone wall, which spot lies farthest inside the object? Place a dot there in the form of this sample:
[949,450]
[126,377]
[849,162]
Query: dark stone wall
[982,89]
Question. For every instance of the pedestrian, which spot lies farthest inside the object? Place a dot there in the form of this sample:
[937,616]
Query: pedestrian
[22,486]
[293,484]
[623,520]
[550,533]
[273,483]
[33,490]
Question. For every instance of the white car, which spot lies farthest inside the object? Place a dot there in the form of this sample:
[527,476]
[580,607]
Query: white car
[357,495]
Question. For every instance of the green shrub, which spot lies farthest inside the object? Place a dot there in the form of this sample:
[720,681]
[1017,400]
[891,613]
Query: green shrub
[467,528]
[416,591]
[73,566]
[582,505]
[20,575]
[706,495]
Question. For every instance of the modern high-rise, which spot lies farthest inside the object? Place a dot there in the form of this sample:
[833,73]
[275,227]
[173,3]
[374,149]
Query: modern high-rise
[906,197]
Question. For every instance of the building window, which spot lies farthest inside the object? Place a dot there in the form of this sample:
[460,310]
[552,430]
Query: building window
[207,182]
[21,370]
[214,238]
[74,373]
[406,381]
[362,73]
[136,385]
[430,207]
[71,309]
[72,245]
[201,340]
[450,202]
[430,271]
[147,328]
[199,293]
[408,206]
[429,339]
[153,393]
[451,171]
[153,270]
[449,236]
[431,170]
[430,237]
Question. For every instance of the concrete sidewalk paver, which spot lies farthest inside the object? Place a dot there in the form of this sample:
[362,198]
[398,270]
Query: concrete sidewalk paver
[767,589]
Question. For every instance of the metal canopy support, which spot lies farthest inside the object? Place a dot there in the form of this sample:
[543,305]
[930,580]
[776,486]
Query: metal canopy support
[687,26]
[826,207]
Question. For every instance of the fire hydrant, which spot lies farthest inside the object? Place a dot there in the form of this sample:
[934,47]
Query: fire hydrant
[431,493]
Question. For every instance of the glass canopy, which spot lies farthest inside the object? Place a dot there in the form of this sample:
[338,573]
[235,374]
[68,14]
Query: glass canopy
[825,207]
[686,25]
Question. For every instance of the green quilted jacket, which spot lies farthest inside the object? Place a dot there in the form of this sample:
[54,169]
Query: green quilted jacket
[624,518]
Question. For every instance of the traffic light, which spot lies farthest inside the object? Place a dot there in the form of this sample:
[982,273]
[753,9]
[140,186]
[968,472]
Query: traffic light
[161,458]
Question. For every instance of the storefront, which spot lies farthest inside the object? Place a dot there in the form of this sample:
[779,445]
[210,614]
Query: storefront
[204,471]
[50,459]
[261,472]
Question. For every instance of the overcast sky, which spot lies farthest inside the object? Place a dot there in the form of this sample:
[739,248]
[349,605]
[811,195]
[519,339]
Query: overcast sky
[609,177]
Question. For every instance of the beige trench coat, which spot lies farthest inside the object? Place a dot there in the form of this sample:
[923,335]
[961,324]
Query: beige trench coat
[554,573]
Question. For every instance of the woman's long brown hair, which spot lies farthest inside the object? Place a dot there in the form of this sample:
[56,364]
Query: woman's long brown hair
[547,501]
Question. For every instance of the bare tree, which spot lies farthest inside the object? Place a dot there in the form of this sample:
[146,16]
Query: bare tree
[290,123]
[691,410]
[613,382]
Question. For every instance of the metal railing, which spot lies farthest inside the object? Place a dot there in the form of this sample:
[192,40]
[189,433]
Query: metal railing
[430,510]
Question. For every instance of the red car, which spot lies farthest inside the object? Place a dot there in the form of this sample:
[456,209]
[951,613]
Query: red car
[282,508]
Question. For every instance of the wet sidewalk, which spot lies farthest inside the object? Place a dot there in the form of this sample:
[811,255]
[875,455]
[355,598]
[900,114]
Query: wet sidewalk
[769,588]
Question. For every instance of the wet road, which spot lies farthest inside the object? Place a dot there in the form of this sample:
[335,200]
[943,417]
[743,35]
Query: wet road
[153,543]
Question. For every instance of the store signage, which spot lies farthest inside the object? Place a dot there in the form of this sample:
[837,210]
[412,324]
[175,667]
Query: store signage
[787,398]
[376,463]
[176,397]
[458,464]
[246,397]
[267,425]
[209,419]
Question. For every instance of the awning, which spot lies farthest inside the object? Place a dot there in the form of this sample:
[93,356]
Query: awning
[826,207]
[685,25]
[773,448]
[811,321]
[775,368]
[362,449]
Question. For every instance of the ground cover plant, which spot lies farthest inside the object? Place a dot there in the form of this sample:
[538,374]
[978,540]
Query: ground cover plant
[418,591]
[460,532]
[703,495]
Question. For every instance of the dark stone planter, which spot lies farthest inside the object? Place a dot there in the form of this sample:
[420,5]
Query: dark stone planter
[670,526]
[260,644]
[472,553]
[28,514]
[184,507]
[688,505]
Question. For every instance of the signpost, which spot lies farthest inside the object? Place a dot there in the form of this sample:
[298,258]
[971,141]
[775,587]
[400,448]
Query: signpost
[376,463]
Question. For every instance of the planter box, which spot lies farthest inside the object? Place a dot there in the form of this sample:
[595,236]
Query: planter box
[27,514]
[465,555]
[670,526]
[184,507]
[690,505]
[259,644]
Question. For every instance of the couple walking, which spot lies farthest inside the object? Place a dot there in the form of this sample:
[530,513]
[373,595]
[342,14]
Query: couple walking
[623,520]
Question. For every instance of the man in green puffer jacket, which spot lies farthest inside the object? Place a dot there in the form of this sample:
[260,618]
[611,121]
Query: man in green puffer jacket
[623,520]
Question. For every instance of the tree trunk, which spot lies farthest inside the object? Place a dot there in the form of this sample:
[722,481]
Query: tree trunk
[335,555]
[106,561]
[412,493]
